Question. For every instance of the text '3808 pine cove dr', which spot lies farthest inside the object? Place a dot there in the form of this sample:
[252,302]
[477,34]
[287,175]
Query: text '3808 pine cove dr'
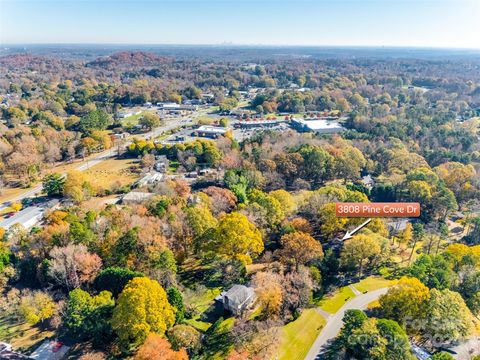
[377,209]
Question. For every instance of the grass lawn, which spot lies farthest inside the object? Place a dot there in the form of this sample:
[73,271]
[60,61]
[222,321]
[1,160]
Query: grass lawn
[131,120]
[10,193]
[173,166]
[201,303]
[22,336]
[205,120]
[198,324]
[373,283]
[373,304]
[299,335]
[333,302]
[112,171]
[219,343]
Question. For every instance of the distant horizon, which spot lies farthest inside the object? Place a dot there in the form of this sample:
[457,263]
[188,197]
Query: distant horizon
[340,46]
[435,24]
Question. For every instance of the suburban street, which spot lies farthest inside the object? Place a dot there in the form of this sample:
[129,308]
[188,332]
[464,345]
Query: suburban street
[335,323]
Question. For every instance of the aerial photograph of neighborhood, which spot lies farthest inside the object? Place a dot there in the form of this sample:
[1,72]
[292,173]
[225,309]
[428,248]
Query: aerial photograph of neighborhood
[240,179]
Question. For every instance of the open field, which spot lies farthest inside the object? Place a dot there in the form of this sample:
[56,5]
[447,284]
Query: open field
[9,193]
[112,172]
[299,335]
[132,120]
[335,301]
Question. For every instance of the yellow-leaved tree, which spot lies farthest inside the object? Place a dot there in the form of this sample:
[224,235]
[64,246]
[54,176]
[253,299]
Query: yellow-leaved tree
[236,237]
[142,308]
[405,301]
[36,307]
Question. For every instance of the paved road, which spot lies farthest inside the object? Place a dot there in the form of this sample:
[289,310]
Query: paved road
[335,323]
[29,216]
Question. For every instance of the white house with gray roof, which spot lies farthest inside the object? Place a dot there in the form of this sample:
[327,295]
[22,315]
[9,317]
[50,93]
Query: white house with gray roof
[238,299]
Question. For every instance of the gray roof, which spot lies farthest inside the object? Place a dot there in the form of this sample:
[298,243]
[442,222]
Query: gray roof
[239,293]
[368,180]
[398,224]
[136,196]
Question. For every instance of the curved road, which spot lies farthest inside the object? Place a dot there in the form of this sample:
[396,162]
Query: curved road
[335,323]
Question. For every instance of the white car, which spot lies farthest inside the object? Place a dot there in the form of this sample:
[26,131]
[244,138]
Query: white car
[5,347]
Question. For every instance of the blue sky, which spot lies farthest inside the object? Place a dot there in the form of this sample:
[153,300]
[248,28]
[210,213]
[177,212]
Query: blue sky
[428,23]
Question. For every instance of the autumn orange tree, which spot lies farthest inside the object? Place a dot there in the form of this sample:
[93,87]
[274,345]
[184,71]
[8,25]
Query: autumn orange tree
[269,291]
[301,248]
[157,348]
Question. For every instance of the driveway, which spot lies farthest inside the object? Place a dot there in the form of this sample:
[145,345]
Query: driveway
[335,323]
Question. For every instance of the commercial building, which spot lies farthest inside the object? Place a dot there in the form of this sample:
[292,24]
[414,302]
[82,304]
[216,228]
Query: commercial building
[322,125]
[149,179]
[172,108]
[208,131]
[259,123]
[126,114]
[29,216]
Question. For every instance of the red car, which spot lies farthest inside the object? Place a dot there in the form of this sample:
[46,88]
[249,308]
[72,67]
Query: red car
[57,345]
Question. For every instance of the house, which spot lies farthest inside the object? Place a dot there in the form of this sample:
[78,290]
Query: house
[125,114]
[193,102]
[136,197]
[149,179]
[175,108]
[238,299]
[122,135]
[51,350]
[368,182]
[161,163]
[397,226]
[138,128]
[259,124]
